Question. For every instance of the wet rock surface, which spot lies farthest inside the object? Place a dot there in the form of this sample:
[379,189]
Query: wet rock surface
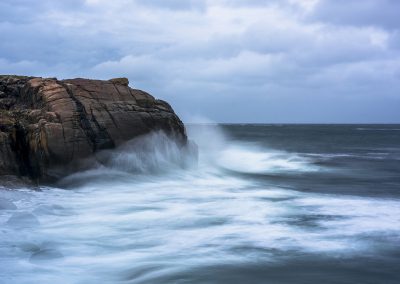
[48,126]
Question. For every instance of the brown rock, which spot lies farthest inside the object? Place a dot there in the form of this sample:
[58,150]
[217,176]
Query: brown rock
[48,125]
[120,81]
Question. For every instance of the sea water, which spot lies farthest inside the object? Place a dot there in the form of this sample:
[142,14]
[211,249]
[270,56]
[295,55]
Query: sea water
[261,204]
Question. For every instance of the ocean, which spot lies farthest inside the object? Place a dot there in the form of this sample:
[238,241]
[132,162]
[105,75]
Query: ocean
[262,204]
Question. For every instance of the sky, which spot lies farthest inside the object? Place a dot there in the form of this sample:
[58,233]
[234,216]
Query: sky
[236,61]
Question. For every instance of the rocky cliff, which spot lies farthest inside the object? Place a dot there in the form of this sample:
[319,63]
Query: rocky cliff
[47,126]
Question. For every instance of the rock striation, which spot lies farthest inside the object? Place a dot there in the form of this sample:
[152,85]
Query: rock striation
[47,126]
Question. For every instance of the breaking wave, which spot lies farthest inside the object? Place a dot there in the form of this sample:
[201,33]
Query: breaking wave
[151,213]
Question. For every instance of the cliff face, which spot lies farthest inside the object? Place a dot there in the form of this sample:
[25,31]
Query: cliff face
[47,125]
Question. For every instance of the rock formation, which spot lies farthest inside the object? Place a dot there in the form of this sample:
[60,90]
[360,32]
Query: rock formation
[47,125]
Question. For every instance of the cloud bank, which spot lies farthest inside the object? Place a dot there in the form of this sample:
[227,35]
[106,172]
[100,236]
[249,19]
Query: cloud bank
[263,61]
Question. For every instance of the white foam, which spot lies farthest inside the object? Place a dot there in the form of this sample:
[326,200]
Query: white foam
[103,227]
[217,150]
[255,160]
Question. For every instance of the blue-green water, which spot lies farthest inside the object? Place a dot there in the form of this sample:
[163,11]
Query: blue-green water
[264,204]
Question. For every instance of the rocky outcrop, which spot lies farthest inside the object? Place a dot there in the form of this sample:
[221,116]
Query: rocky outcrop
[47,126]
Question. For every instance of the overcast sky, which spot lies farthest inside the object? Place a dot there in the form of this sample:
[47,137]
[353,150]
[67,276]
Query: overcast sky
[262,61]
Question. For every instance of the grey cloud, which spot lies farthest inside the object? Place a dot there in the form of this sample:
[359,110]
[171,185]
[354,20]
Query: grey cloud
[271,60]
[26,11]
[174,4]
[381,13]
[49,44]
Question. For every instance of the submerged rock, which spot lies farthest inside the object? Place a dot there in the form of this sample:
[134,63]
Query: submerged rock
[47,126]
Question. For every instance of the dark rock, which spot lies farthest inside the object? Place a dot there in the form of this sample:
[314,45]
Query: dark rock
[15,182]
[47,126]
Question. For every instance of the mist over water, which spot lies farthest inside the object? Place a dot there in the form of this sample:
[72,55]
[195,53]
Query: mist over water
[262,204]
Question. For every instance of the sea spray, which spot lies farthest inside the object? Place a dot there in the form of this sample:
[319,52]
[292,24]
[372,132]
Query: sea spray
[150,154]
